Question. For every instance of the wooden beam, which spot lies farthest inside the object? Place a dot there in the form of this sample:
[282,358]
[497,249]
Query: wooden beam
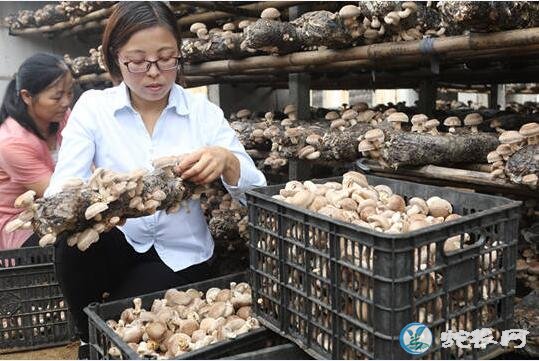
[477,180]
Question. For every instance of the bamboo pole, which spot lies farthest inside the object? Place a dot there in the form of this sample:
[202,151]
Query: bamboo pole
[96,15]
[93,78]
[220,6]
[507,39]
[192,81]
[209,17]
[98,24]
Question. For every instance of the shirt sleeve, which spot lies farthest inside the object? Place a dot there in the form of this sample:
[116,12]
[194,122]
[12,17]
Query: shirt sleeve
[23,163]
[250,176]
[77,150]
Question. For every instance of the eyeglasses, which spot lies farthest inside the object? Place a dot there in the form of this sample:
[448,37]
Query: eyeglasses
[143,66]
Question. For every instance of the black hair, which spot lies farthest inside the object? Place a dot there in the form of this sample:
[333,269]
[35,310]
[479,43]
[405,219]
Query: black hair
[129,17]
[35,74]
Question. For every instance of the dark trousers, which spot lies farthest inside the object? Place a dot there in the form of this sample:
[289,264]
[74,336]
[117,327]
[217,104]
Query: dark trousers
[111,266]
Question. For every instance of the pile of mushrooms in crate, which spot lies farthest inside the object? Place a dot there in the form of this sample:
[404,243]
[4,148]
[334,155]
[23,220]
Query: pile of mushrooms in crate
[373,207]
[185,321]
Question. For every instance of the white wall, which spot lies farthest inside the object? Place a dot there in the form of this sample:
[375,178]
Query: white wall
[478,99]
[15,49]
[384,96]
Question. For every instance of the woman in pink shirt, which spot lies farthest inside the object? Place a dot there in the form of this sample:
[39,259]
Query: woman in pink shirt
[33,112]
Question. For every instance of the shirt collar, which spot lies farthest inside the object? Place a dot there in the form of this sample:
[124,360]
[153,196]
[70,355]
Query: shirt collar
[177,99]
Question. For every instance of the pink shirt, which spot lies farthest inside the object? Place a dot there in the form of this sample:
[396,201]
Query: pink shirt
[24,159]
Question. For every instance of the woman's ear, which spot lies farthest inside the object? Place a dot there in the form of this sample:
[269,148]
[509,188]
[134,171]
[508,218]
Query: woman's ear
[26,97]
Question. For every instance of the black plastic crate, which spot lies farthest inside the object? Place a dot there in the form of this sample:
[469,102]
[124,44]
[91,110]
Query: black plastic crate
[345,292]
[103,337]
[33,313]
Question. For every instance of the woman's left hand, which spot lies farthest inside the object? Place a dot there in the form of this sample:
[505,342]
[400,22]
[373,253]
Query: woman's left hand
[207,164]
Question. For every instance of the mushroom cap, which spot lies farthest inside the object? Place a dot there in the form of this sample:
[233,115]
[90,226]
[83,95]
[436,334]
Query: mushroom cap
[244,23]
[332,115]
[529,130]
[473,119]
[290,108]
[530,179]
[398,117]
[409,5]
[305,151]
[396,203]
[439,207]
[419,202]
[389,111]
[95,209]
[419,119]
[504,149]
[360,107]
[366,116]
[375,135]
[353,177]
[452,122]
[349,11]
[349,114]
[365,146]
[243,113]
[337,123]
[313,139]
[270,13]
[493,156]
[432,123]
[166,161]
[229,27]
[196,27]
[214,31]
[511,137]
[287,122]
[418,224]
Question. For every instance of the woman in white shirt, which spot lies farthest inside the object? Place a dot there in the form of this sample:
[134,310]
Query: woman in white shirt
[124,128]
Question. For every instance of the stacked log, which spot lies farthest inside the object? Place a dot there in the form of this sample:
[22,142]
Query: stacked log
[217,43]
[517,156]
[83,210]
[474,16]
[51,14]
[83,65]
[381,133]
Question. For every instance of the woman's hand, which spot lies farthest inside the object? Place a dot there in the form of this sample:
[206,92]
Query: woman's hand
[207,164]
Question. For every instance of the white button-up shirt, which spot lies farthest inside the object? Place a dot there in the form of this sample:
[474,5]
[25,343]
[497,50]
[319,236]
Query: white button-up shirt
[104,130]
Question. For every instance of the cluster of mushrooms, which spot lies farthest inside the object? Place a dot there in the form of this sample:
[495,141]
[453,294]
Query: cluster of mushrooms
[215,43]
[373,207]
[342,134]
[54,13]
[511,142]
[185,321]
[83,210]
[227,219]
[82,65]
